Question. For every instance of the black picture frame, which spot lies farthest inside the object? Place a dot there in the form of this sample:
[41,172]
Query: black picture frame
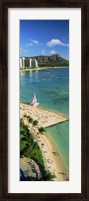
[84,5]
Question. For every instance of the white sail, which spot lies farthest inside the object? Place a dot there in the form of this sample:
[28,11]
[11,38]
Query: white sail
[34,101]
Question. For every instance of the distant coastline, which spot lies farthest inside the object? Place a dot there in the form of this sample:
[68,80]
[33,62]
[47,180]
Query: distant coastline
[41,68]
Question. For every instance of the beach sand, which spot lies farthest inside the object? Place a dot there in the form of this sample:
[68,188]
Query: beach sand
[45,117]
[52,159]
[40,68]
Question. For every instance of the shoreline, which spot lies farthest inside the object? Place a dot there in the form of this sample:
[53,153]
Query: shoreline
[41,68]
[45,117]
[52,159]
[49,110]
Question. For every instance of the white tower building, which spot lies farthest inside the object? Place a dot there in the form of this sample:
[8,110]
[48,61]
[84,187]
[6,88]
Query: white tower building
[28,63]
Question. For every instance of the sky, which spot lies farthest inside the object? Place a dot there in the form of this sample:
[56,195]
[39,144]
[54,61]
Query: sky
[44,37]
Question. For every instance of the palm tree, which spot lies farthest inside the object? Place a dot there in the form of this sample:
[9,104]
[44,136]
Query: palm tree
[48,176]
[41,130]
[25,116]
[35,122]
[30,119]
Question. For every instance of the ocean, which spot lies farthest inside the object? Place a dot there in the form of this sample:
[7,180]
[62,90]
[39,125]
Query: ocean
[51,87]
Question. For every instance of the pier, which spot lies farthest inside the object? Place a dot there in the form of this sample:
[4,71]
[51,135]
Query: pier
[45,117]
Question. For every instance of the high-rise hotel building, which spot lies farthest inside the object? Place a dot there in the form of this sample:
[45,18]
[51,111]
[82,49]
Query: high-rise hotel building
[26,62]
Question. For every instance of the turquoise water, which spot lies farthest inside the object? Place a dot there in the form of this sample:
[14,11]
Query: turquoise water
[51,87]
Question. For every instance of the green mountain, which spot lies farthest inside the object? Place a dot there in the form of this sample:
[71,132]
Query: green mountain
[53,60]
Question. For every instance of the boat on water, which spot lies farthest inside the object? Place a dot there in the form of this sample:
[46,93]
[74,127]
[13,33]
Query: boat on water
[34,101]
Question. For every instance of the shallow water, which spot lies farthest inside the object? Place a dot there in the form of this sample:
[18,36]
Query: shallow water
[51,87]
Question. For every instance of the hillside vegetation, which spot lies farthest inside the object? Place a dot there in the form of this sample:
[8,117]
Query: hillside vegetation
[30,149]
[51,61]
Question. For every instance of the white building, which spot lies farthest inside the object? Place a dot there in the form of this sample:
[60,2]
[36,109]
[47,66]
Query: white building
[28,63]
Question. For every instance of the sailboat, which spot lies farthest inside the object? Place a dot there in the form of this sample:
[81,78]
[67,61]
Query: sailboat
[34,101]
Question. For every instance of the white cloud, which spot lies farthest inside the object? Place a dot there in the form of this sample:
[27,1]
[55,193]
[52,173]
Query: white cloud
[52,52]
[29,44]
[35,41]
[23,50]
[43,51]
[55,42]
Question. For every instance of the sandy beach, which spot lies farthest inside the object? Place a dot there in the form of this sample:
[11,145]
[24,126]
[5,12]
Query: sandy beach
[43,68]
[52,158]
[46,118]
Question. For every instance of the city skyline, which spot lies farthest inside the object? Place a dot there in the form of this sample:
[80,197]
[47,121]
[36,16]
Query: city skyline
[44,37]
